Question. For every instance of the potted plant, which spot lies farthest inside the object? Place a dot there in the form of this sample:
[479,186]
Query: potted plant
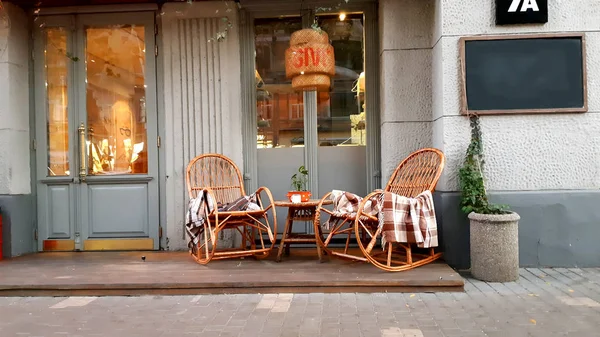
[299,192]
[494,232]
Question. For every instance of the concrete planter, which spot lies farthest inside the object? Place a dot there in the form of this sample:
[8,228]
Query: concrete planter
[495,246]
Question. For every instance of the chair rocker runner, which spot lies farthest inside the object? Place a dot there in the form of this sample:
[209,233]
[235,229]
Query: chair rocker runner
[415,177]
[218,202]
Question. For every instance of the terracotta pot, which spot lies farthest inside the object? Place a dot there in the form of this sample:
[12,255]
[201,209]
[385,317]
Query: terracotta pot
[304,195]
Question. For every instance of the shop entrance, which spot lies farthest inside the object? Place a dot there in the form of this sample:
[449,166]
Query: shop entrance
[96,132]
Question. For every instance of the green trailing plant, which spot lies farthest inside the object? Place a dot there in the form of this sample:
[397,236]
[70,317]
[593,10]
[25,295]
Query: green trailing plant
[472,184]
[300,179]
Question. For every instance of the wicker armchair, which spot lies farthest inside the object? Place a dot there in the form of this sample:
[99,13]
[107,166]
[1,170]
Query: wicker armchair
[418,172]
[219,178]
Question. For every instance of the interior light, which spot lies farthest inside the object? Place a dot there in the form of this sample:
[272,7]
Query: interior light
[342,17]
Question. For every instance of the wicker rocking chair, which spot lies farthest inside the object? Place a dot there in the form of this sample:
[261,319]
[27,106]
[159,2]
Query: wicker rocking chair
[419,172]
[218,177]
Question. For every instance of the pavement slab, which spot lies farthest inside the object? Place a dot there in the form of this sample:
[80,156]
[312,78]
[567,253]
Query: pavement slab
[543,302]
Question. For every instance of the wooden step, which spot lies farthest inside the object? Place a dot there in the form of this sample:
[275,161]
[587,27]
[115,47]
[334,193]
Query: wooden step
[175,273]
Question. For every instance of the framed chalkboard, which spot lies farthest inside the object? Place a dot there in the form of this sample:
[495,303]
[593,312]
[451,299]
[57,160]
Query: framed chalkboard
[522,74]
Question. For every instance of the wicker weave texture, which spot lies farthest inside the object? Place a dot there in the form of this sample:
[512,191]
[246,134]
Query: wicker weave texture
[418,172]
[217,172]
[218,176]
[308,35]
[311,82]
[309,59]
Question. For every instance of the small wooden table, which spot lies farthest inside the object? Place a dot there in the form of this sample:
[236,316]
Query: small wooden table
[303,211]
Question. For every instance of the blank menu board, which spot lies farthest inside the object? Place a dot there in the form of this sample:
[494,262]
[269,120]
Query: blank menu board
[523,74]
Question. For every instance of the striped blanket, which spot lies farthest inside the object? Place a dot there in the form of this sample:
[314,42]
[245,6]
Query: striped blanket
[202,206]
[408,220]
[345,204]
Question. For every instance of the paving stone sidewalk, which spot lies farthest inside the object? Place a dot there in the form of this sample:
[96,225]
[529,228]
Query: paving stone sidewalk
[544,302]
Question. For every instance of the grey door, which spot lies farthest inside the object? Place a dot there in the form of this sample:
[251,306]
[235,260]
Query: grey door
[96,132]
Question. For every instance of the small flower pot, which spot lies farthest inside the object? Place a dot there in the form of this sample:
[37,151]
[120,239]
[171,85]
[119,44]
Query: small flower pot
[299,196]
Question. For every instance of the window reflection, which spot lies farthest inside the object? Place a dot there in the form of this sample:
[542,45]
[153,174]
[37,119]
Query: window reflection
[280,109]
[341,119]
[341,111]
[116,100]
[57,101]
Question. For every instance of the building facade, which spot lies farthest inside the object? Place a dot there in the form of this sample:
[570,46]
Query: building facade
[137,90]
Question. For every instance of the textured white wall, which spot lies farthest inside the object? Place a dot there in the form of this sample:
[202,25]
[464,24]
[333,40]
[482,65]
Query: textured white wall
[202,93]
[406,40]
[535,152]
[14,104]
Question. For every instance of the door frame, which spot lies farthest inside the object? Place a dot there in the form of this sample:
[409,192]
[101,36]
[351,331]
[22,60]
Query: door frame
[40,111]
[103,15]
[372,80]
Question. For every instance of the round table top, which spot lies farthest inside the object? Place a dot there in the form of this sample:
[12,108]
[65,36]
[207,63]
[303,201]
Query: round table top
[309,203]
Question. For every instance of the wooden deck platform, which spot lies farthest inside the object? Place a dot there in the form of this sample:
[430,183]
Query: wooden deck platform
[125,273]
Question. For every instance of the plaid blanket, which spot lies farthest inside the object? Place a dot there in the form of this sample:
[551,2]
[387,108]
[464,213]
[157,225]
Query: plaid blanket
[202,206]
[408,220]
[345,204]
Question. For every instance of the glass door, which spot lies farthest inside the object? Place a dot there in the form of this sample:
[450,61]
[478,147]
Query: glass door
[98,187]
[280,111]
[341,112]
[286,117]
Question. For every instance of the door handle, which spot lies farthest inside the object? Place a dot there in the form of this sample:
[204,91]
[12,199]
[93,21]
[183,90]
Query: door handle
[82,160]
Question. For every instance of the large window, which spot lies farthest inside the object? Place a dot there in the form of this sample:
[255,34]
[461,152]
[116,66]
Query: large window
[280,109]
[341,113]
[335,153]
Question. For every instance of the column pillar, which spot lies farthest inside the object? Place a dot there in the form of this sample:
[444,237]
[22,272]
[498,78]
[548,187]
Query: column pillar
[16,202]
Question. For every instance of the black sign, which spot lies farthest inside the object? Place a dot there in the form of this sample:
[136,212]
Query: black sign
[521,11]
[511,74]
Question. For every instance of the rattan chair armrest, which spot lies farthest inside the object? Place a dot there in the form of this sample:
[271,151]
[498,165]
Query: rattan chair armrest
[269,196]
[271,206]
[363,202]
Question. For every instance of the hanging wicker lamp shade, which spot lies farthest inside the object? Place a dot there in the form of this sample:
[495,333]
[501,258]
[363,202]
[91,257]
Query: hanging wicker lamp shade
[310,61]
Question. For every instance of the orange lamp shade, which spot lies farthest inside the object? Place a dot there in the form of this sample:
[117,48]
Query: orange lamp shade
[310,61]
